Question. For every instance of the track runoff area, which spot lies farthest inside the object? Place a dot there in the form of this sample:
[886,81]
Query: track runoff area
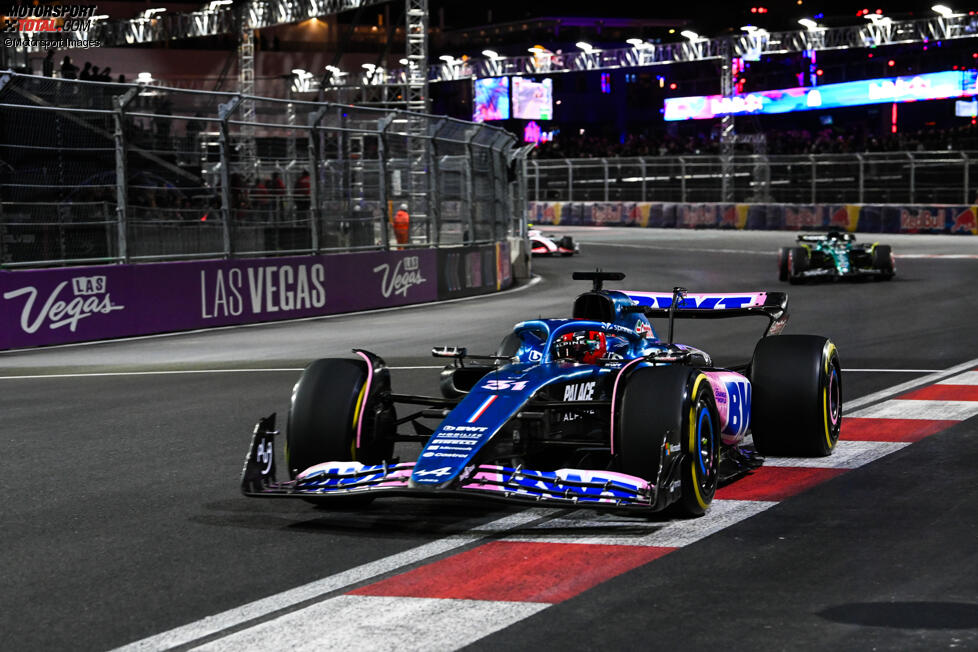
[453,592]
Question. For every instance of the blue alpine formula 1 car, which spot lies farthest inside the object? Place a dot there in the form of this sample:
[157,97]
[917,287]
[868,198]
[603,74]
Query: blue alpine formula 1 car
[834,255]
[595,410]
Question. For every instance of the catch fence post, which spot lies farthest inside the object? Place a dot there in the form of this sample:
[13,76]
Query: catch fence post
[122,171]
[315,183]
[224,112]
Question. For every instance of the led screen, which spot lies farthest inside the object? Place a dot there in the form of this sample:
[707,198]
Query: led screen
[929,86]
[533,100]
[491,99]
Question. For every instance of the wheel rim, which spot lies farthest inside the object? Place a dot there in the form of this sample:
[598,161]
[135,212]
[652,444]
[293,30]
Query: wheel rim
[705,449]
[835,398]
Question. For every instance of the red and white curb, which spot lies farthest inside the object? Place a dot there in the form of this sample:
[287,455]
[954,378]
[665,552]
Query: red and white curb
[539,557]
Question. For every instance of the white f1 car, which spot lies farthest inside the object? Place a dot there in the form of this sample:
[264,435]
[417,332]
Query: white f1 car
[545,245]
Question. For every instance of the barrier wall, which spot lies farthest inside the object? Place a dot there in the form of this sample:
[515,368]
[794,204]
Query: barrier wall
[74,304]
[867,218]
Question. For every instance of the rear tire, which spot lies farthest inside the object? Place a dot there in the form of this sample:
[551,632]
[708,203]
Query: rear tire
[883,261]
[796,407]
[326,406]
[783,264]
[663,407]
[798,259]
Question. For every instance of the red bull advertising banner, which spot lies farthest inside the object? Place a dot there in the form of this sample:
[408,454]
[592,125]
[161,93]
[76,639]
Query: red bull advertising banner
[866,218]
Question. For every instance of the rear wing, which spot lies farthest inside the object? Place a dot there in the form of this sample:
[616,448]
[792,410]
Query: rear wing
[823,237]
[773,305]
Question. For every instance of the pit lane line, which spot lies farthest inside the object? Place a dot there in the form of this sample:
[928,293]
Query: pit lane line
[165,372]
[328,610]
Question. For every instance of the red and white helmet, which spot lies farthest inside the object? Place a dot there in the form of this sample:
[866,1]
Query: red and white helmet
[586,347]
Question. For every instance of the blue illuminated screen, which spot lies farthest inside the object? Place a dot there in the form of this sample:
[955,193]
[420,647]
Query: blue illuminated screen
[491,99]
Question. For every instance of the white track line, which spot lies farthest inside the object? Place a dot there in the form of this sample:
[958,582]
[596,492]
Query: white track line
[847,455]
[233,618]
[380,623]
[584,526]
[967,378]
[909,385]
[920,409]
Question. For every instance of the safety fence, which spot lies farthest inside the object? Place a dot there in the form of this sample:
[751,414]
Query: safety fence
[904,178]
[96,172]
[870,218]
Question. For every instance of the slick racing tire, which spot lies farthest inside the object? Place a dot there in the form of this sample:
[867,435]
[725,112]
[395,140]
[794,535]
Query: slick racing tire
[566,242]
[883,262]
[326,409]
[798,258]
[796,404]
[665,411]
[783,264]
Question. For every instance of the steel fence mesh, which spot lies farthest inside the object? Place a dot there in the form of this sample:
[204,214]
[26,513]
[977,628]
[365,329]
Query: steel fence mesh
[93,172]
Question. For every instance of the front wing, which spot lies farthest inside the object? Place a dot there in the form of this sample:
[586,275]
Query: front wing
[338,480]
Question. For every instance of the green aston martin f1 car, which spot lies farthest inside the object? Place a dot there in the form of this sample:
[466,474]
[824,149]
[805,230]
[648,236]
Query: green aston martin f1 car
[834,255]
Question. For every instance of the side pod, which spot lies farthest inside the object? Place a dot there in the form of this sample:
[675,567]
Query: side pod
[259,467]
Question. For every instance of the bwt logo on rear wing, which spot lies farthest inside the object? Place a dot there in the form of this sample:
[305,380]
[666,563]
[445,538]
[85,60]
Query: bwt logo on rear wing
[773,305]
[730,301]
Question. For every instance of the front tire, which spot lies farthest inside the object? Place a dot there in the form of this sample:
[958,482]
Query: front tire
[883,261]
[666,407]
[326,409]
[796,408]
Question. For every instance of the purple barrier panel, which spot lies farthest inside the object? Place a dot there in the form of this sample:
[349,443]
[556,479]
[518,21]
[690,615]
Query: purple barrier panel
[504,268]
[871,219]
[963,219]
[577,214]
[757,216]
[670,215]
[75,304]
[467,271]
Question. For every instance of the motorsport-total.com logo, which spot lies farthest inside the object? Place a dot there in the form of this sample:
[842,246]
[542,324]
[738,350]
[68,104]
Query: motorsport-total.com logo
[48,18]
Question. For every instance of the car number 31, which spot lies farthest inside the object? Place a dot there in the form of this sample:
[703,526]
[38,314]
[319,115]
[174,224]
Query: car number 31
[499,385]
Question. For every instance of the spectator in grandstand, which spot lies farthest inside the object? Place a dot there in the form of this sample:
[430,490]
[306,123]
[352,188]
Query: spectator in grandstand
[47,66]
[86,72]
[276,190]
[302,190]
[68,69]
[105,75]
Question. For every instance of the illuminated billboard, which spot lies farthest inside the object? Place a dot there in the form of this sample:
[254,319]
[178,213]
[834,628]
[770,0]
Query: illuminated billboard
[533,100]
[929,86]
[491,99]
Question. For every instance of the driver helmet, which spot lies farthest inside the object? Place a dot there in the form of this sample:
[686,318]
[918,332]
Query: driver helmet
[587,347]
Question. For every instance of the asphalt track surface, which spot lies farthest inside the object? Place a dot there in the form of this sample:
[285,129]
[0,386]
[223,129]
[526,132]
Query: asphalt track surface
[122,522]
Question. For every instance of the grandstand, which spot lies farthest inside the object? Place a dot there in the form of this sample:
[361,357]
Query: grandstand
[280,127]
